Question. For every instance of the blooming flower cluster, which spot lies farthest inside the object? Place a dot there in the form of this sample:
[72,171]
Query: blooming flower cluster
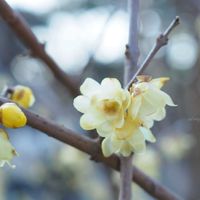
[123,118]
[11,116]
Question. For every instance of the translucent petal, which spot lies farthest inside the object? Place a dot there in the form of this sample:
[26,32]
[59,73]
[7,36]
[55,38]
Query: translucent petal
[111,83]
[147,108]
[126,149]
[81,103]
[107,147]
[167,99]
[138,142]
[159,115]
[119,122]
[89,121]
[126,98]
[159,82]
[89,87]
[7,151]
[105,129]
[148,122]
[148,134]
[135,105]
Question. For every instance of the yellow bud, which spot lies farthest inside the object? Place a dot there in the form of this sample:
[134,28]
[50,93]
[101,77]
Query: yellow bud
[11,116]
[23,96]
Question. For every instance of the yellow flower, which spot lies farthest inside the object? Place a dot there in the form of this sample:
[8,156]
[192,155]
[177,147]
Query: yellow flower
[11,116]
[127,139]
[103,105]
[7,151]
[148,101]
[23,96]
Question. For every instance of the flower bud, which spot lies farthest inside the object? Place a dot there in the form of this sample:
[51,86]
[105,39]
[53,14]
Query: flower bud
[11,116]
[23,96]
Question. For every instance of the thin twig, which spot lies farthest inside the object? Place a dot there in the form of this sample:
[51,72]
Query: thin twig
[98,42]
[132,49]
[161,41]
[91,147]
[26,35]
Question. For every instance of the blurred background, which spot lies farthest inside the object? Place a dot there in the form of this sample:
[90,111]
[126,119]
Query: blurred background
[87,39]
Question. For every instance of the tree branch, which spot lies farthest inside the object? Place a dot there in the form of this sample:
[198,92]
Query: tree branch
[132,49]
[92,147]
[131,61]
[161,41]
[25,34]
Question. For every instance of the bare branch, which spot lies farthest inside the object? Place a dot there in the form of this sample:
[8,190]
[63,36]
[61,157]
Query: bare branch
[132,50]
[92,147]
[161,41]
[25,34]
[131,60]
[98,41]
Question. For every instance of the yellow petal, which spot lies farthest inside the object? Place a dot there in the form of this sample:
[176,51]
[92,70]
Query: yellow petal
[81,103]
[167,99]
[138,142]
[111,83]
[126,149]
[105,129]
[89,87]
[90,121]
[11,116]
[159,82]
[106,146]
[148,134]
[159,114]
[7,151]
[135,105]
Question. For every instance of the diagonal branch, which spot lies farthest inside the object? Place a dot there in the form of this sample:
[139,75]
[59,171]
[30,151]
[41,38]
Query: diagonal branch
[25,34]
[92,148]
[161,41]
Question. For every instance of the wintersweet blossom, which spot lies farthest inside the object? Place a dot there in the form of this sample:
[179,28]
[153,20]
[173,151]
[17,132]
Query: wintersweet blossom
[7,151]
[11,116]
[148,100]
[23,96]
[103,105]
[127,139]
[123,118]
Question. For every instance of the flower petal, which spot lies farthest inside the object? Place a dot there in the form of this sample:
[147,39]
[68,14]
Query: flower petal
[148,134]
[159,82]
[135,105]
[81,103]
[159,114]
[138,142]
[126,149]
[111,83]
[106,146]
[89,121]
[89,87]
[167,99]
[105,129]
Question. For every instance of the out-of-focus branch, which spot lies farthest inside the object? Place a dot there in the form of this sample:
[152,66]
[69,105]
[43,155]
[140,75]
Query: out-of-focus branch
[25,34]
[92,147]
[161,41]
[98,42]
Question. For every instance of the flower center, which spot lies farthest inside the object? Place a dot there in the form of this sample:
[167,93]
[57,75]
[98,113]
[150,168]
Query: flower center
[110,107]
